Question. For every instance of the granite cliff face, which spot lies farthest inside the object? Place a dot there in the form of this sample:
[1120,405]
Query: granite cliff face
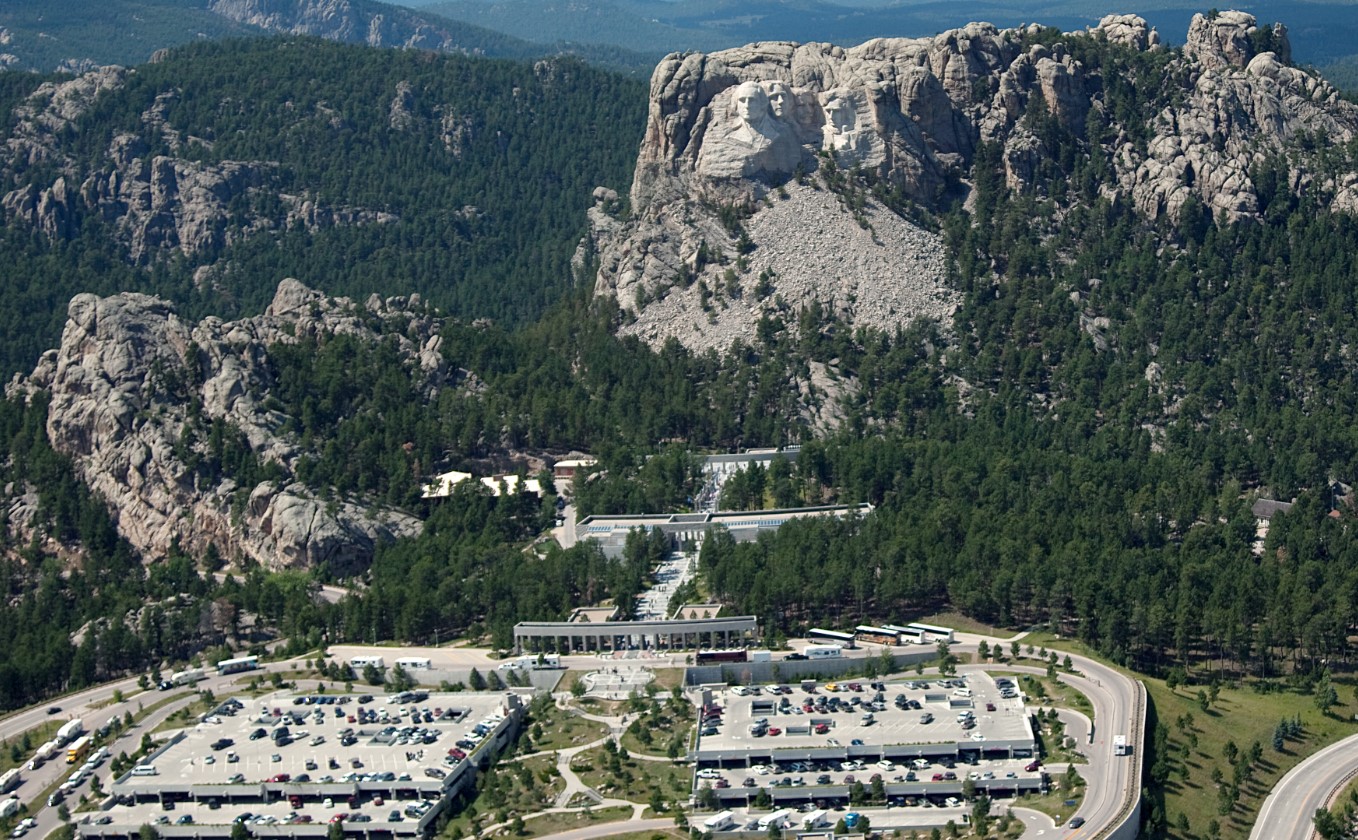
[157,205]
[344,21]
[768,130]
[132,381]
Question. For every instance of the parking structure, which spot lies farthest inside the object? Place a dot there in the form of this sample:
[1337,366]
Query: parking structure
[291,764]
[807,744]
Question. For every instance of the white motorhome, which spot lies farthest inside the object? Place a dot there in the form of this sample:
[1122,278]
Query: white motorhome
[719,822]
[776,818]
[823,651]
[815,819]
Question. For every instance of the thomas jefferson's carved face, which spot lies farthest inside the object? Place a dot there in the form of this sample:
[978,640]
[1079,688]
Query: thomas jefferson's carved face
[780,100]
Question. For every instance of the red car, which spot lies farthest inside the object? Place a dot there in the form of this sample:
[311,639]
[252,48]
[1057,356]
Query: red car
[281,777]
[340,817]
[821,729]
[938,777]
[990,707]
[773,730]
[1032,766]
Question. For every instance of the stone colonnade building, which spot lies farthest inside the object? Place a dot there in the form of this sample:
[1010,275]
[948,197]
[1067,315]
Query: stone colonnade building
[675,634]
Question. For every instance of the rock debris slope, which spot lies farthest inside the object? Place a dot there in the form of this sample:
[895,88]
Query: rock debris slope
[742,167]
[131,376]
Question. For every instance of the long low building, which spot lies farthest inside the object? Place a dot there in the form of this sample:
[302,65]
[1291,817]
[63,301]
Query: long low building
[289,765]
[674,634]
[745,526]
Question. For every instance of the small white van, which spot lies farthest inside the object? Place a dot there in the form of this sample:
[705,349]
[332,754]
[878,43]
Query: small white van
[145,770]
[962,692]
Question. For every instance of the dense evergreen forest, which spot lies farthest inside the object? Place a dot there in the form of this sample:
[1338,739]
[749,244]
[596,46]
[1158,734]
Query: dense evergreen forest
[1028,466]
[488,176]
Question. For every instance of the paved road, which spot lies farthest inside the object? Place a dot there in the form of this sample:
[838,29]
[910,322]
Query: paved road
[95,707]
[1287,811]
[1113,695]
[1114,698]
[607,829]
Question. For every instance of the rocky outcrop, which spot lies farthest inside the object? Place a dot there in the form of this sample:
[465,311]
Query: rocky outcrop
[732,136]
[748,130]
[341,20]
[1239,108]
[132,383]
[156,204]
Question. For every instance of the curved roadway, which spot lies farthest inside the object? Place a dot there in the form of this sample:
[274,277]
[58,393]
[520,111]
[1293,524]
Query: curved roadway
[1114,697]
[95,707]
[1288,810]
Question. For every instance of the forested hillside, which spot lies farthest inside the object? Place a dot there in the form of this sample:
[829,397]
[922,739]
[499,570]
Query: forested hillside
[357,170]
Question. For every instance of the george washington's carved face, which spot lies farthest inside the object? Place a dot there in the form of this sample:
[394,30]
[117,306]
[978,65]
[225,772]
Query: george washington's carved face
[752,104]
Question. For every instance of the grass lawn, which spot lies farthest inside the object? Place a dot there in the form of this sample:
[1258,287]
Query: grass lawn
[652,734]
[550,728]
[1243,716]
[957,621]
[511,789]
[37,736]
[632,779]
[668,678]
[662,834]
[1053,804]
[555,823]
[185,716]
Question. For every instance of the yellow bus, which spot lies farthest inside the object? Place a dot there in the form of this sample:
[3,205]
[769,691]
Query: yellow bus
[78,749]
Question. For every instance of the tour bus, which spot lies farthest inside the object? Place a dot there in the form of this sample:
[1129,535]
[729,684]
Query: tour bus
[831,636]
[708,657]
[234,666]
[78,749]
[907,635]
[933,632]
[876,635]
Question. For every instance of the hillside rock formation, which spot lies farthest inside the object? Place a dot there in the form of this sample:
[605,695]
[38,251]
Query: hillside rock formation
[736,138]
[132,386]
[345,21]
[156,204]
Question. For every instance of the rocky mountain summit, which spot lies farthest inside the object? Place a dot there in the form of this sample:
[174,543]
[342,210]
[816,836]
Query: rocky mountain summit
[157,203]
[764,174]
[133,388]
[345,21]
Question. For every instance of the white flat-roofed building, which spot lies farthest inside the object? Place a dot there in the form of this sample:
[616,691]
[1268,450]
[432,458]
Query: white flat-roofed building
[744,526]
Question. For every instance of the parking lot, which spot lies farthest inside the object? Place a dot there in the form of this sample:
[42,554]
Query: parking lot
[836,714]
[920,740]
[303,759]
[320,744]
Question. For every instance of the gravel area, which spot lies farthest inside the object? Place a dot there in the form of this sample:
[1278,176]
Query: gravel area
[883,276]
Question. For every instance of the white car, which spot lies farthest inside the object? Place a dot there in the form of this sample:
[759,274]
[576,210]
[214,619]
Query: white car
[886,766]
[709,773]
[952,802]
[760,770]
[976,736]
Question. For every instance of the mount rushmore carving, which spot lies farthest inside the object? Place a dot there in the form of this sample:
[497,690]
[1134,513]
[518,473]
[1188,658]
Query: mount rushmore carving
[771,128]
